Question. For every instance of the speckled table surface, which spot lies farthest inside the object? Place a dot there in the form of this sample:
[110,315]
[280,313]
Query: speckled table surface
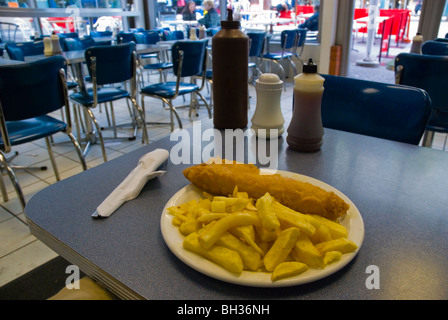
[399,189]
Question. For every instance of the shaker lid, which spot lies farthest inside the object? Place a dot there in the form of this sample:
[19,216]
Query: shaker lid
[310,67]
[269,81]
[230,23]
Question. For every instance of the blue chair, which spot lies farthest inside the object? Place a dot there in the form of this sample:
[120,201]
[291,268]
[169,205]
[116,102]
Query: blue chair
[301,38]
[62,36]
[435,48]
[125,37]
[387,111]
[152,37]
[147,37]
[441,39]
[101,34]
[103,38]
[256,47]
[28,93]
[8,31]
[20,50]
[73,44]
[110,65]
[189,60]
[429,73]
[288,44]
[168,35]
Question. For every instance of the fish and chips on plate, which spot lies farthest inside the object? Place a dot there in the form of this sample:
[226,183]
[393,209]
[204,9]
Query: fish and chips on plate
[238,224]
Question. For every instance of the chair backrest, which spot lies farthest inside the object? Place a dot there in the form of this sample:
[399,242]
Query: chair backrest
[125,37]
[99,34]
[441,39]
[388,111]
[437,48]
[73,44]
[194,55]
[147,37]
[68,35]
[8,31]
[426,72]
[113,64]
[256,43]
[20,50]
[63,36]
[87,42]
[179,34]
[32,89]
[301,37]
[288,39]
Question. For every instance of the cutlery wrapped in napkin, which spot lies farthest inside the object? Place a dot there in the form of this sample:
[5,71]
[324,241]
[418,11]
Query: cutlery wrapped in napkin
[131,186]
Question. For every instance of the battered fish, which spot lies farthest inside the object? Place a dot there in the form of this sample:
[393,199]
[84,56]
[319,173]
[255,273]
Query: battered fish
[221,179]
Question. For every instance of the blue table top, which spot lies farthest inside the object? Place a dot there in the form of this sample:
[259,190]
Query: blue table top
[399,189]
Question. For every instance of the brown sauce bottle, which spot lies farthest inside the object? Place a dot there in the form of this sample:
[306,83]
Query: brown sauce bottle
[230,58]
[305,132]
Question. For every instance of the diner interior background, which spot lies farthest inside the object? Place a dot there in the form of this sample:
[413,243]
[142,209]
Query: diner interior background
[28,268]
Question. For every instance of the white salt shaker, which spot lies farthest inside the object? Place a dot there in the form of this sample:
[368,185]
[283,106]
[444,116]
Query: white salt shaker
[268,114]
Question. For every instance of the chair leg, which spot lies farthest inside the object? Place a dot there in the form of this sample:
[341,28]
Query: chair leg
[107,114]
[428,137]
[145,137]
[114,124]
[206,104]
[13,179]
[77,121]
[100,136]
[52,159]
[172,111]
[281,69]
[293,65]
[78,150]
[3,188]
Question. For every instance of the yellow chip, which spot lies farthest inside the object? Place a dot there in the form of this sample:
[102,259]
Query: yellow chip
[288,269]
[281,248]
[266,212]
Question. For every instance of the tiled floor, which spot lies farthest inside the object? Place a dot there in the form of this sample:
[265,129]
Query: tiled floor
[20,251]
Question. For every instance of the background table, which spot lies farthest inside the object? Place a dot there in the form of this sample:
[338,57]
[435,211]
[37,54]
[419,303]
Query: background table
[399,189]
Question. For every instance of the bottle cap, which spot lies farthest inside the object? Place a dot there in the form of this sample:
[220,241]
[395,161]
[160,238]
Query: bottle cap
[230,23]
[310,67]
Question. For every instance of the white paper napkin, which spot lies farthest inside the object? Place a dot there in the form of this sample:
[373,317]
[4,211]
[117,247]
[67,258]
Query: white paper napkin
[131,186]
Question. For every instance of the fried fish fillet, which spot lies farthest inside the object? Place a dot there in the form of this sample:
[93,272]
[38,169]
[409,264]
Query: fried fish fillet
[221,179]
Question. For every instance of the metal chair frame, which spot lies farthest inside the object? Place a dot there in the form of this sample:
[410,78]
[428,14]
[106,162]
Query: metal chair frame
[169,102]
[285,55]
[138,119]
[11,28]
[8,146]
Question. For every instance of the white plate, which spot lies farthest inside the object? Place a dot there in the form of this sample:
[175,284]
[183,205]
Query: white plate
[174,239]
